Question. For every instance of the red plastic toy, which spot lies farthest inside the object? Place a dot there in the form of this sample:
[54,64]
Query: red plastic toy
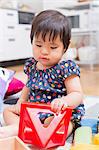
[32,131]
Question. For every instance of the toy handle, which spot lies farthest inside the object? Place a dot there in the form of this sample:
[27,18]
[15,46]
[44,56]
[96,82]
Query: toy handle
[41,106]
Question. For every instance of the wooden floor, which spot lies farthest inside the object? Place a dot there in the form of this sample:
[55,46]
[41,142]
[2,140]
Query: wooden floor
[89,79]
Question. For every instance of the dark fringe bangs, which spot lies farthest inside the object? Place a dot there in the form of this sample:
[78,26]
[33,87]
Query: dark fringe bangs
[46,29]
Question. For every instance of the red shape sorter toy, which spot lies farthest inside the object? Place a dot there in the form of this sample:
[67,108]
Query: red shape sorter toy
[32,131]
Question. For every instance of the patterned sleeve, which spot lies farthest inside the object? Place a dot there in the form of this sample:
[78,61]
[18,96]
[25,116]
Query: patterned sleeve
[69,68]
[28,65]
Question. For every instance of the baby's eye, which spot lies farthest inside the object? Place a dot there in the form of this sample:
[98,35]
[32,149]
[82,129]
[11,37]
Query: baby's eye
[38,45]
[53,47]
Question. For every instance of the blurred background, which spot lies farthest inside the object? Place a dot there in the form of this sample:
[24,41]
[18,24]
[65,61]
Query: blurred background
[15,47]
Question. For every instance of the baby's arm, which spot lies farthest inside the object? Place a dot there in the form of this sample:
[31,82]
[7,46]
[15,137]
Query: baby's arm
[74,95]
[74,91]
[11,116]
[24,95]
[11,113]
[23,98]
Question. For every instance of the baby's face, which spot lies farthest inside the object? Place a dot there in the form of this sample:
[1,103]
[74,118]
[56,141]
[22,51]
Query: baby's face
[47,53]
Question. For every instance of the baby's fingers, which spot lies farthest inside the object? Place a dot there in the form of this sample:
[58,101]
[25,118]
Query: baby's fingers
[59,108]
[64,107]
[54,105]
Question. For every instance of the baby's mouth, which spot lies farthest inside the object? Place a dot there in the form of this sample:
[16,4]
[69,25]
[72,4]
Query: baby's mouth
[44,58]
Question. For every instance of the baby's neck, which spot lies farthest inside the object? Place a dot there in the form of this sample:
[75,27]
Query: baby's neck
[39,66]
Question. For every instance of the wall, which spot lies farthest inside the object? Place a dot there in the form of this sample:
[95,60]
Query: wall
[35,5]
[54,4]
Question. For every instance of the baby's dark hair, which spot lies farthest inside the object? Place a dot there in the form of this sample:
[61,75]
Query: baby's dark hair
[54,23]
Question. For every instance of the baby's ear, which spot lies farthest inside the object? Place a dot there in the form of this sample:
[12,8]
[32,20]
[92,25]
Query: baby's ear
[64,50]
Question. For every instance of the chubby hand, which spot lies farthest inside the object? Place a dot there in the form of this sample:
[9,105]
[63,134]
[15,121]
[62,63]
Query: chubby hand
[58,105]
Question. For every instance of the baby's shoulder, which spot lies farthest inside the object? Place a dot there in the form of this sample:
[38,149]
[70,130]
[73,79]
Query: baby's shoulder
[29,64]
[67,63]
[68,68]
[30,61]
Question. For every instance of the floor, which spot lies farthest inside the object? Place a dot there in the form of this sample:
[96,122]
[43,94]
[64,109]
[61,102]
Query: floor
[89,78]
[90,81]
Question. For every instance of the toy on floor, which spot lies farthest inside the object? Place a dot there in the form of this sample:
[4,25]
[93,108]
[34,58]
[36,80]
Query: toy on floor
[83,135]
[96,139]
[83,139]
[90,122]
[32,131]
[98,125]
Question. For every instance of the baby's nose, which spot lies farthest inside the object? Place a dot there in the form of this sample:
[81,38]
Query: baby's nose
[44,51]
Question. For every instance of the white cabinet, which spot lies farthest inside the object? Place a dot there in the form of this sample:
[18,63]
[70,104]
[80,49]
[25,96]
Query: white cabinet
[23,41]
[84,18]
[14,38]
[8,48]
[8,27]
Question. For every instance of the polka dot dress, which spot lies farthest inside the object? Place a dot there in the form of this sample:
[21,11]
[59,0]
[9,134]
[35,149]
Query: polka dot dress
[48,84]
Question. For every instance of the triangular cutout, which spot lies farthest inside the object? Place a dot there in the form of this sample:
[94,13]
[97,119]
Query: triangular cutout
[45,118]
[48,121]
